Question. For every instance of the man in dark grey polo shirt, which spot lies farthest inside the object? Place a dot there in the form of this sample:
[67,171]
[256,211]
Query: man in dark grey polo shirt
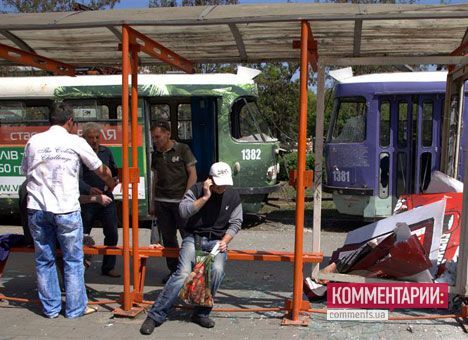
[174,168]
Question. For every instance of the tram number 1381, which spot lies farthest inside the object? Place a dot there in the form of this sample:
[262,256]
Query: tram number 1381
[341,176]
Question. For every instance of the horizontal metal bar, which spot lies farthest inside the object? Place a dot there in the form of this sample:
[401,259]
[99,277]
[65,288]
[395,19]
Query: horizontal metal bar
[158,51]
[324,60]
[395,15]
[235,255]
[17,41]
[18,56]
[444,60]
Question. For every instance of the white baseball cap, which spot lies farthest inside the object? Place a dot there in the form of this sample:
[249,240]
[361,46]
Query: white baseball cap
[221,173]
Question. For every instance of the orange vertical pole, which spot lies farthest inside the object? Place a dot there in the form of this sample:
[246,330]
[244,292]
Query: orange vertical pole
[127,300]
[301,161]
[136,255]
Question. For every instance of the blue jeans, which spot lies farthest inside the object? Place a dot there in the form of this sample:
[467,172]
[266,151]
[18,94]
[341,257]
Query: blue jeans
[170,292]
[90,213]
[46,229]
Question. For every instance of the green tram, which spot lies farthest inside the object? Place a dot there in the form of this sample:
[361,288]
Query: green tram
[215,114]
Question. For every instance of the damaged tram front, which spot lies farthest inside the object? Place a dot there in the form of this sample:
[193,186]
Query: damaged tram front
[384,139]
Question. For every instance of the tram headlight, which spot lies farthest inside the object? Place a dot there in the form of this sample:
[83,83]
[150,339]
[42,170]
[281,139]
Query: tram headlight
[272,172]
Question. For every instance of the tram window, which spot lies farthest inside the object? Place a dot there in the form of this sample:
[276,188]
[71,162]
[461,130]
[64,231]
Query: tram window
[350,122]
[119,112]
[37,113]
[88,110]
[402,180]
[384,175]
[19,112]
[425,170]
[184,121]
[385,123]
[160,112]
[247,122]
[415,119]
[402,124]
[427,114]
[452,140]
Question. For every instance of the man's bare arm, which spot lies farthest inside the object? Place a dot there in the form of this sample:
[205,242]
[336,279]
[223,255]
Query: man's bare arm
[106,175]
[102,199]
[224,242]
[192,176]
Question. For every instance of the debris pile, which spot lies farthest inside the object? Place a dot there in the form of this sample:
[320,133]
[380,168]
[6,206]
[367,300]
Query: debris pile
[419,243]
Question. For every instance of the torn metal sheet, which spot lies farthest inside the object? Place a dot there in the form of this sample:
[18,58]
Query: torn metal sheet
[396,255]
[450,238]
[405,258]
[441,183]
[425,222]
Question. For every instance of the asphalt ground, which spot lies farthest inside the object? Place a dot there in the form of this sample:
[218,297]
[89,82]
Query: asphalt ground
[247,285]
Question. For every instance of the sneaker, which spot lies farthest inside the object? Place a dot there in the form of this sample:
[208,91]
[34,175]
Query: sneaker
[203,321]
[90,310]
[148,326]
[52,316]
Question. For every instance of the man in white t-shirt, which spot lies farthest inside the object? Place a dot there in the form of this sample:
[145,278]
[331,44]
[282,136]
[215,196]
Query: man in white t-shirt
[51,165]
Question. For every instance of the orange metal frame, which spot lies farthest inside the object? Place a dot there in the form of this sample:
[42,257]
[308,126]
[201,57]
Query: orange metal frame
[460,50]
[233,255]
[298,306]
[134,42]
[311,48]
[30,59]
[158,51]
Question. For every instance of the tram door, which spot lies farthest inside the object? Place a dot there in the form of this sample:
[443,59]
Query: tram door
[427,155]
[405,124]
[204,134]
[411,139]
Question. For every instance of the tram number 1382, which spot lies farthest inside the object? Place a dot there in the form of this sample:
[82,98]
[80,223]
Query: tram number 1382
[251,154]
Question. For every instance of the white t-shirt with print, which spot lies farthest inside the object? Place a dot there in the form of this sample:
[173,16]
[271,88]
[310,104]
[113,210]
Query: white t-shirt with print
[51,164]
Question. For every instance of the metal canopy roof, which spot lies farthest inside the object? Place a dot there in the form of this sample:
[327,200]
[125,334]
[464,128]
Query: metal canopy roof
[247,33]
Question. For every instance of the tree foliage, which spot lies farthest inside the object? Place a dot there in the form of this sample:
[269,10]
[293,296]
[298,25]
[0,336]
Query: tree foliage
[278,98]
[175,3]
[39,6]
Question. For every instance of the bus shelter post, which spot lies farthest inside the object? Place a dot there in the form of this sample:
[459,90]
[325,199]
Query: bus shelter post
[318,163]
[300,189]
[134,42]
[127,298]
[138,295]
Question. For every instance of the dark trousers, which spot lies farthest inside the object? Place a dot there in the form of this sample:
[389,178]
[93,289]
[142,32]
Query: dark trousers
[90,213]
[168,222]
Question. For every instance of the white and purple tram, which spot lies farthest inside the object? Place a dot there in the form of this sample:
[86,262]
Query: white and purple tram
[384,139]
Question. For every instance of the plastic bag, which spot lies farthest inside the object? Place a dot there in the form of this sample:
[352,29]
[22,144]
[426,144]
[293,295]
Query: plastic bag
[197,287]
